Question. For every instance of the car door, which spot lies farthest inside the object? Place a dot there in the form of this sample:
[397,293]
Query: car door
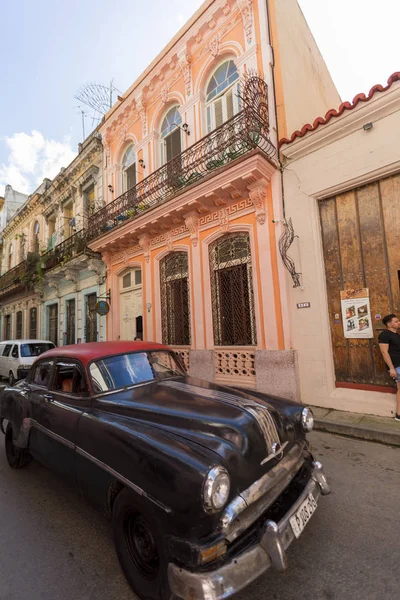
[13,360]
[4,360]
[57,406]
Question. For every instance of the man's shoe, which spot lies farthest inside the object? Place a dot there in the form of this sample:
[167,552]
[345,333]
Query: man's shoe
[397,418]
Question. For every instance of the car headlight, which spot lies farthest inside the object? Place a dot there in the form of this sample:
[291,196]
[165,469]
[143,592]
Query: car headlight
[216,489]
[25,367]
[307,419]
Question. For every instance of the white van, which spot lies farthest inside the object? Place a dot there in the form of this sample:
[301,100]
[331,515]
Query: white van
[17,356]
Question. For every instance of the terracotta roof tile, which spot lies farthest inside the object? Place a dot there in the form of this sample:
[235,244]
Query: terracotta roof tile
[342,108]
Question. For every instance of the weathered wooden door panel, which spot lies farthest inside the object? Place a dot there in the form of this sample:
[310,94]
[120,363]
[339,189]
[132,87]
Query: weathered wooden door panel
[330,239]
[361,242]
[390,196]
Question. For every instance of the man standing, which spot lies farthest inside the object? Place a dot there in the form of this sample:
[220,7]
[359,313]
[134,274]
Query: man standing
[389,344]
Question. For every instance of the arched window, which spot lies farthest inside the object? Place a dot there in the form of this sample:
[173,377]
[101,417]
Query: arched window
[232,291]
[10,256]
[175,307]
[171,135]
[128,169]
[36,242]
[221,100]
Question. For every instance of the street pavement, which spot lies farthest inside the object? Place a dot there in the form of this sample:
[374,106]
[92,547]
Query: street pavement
[53,546]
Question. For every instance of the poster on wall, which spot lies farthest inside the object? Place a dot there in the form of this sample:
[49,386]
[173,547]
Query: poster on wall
[356,313]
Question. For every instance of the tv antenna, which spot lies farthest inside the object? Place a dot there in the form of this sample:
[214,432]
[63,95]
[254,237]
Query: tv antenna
[96,96]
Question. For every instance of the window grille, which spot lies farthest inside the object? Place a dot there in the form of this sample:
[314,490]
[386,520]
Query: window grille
[232,291]
[175,305]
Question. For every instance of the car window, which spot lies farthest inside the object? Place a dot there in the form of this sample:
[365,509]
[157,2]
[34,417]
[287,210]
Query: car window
[69,379]
[14,352]
[165,364]
[35,349]
[7,350]
[125,370]
[41,373]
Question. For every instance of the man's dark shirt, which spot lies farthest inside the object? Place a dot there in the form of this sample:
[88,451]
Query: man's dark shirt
[393,339]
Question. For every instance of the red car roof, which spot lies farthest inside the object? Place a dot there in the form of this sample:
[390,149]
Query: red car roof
[88,352]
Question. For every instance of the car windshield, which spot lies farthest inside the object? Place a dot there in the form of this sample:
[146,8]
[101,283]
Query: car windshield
[130,369]
[35,349]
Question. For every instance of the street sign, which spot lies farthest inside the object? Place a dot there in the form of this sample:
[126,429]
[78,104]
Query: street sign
[102,307]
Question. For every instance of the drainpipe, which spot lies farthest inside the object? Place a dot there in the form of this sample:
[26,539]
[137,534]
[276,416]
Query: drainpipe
[275,105]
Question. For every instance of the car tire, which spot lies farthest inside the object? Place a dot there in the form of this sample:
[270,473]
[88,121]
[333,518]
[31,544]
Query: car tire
[139,544]
[11,379]
[17,458]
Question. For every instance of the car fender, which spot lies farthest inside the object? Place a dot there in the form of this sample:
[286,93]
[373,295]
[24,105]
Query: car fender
[155,463]
[15,409]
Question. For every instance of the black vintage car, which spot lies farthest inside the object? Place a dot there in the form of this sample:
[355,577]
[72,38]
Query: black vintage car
[207,486]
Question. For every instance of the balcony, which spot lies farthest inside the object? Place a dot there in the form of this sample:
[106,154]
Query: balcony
[246,133]
[17,278]
[65,251]
[30,273]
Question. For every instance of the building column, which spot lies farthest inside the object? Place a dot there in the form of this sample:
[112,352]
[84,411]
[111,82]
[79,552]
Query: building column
[148,308]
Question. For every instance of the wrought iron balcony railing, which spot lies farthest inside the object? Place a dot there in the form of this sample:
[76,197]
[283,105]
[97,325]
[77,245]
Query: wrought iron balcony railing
[31,271]
[65,251]
[18,275]
[242,134]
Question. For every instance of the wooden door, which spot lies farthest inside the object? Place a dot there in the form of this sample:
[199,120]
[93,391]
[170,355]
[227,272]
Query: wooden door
[53,323]
[361,243]
[91,318]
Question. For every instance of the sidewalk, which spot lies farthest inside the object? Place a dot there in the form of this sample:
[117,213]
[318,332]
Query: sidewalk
[366,427]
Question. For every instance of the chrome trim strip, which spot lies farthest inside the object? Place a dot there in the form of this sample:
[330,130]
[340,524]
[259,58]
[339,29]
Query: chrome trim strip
[99,463]
[241,570]
[121,478]
[266,489]
[53,435]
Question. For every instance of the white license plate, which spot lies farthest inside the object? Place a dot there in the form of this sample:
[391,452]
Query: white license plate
[303,515]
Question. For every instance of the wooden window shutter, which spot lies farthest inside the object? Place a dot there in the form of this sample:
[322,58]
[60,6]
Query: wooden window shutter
[131,176]
[229,104]
[209,119]
[219,117]
[168,148]
[176,142]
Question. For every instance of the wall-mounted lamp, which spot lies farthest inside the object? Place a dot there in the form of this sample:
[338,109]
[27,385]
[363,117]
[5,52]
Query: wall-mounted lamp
[368,126]
[185,128]
[141,163]
[110,187]
[148,305]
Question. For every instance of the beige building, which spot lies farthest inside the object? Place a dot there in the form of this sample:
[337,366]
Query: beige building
[342,192]
[50,280]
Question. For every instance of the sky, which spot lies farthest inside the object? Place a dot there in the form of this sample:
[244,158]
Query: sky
[50,49]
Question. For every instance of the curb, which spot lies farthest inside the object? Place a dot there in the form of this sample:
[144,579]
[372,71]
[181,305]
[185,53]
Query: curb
[358,431]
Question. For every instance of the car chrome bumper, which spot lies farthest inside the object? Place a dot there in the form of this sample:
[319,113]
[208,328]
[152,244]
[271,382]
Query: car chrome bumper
[245,568]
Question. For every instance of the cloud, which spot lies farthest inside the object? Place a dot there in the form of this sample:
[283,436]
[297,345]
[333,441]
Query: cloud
[180,18]
[31,158]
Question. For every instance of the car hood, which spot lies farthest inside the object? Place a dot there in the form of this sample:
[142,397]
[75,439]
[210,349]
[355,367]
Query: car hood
[247,433]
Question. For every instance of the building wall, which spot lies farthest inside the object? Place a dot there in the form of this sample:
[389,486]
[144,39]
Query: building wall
[87,284]
[304,87]
[336,157]
[62,208]
[13,200]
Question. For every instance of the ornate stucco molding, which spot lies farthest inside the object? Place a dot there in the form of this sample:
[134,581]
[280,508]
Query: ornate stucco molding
[185,63]
[246,9]
[145,244]
[258,195]
[192,222]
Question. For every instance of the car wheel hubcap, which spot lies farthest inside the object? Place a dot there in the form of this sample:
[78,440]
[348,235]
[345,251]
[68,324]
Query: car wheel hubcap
[141,545]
